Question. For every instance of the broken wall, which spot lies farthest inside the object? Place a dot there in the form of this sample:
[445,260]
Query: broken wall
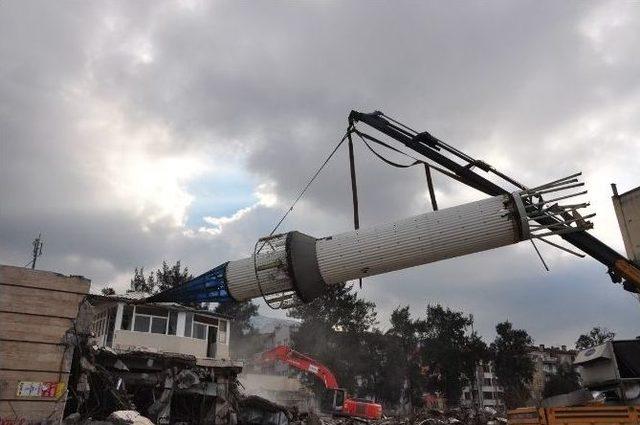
[36,310]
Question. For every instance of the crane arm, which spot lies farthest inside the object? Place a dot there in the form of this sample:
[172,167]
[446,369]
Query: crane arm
[299,361]
[289,268]
[619,267]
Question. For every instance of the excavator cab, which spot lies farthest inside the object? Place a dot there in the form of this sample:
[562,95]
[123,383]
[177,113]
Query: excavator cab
[343,405]
[361,408]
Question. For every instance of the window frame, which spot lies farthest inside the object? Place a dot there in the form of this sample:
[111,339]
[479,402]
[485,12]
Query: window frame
[135,322]
[210,319]
[151,316]
[206,330]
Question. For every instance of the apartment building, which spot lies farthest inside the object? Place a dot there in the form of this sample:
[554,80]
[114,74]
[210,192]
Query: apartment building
[547,361]
[487,392]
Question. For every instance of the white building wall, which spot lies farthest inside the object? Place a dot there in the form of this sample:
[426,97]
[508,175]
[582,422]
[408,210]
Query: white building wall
[131,340]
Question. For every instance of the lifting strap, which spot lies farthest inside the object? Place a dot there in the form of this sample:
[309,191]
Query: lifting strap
[354,185]
[354,190]
[427,167]
[432,193]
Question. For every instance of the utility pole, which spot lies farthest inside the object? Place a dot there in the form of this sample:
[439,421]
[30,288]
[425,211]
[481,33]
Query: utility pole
[37,250]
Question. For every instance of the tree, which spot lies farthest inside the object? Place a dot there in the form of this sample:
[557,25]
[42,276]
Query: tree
[450,351]
[139,283]
[336,329]
[392,369]
[242,330]
[160,280]
[108,290]
[514,367]
[562,382]
[170,277]
[596,336]
[403,346]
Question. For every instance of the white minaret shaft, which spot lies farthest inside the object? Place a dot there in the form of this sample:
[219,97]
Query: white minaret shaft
[292,267]
[425,238]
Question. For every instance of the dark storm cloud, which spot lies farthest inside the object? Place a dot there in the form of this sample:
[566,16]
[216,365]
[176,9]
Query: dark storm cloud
[109,111]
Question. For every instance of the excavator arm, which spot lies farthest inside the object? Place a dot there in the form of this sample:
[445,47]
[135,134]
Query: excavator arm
[342,404]
[301,362]
[460,165]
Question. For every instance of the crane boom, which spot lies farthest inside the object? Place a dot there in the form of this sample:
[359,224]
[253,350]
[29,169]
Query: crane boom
[289,268]
[619,268]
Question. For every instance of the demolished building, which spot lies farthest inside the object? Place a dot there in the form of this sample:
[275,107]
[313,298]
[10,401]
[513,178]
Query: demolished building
[65,352]
[168,361]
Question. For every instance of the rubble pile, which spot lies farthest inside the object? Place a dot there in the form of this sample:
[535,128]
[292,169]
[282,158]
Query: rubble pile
[144,387]
[459,416]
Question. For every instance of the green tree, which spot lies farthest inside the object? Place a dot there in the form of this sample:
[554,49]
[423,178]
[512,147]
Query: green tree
[140,283]
[562,382]
[162,279]
[388,368]
[170,277]
[108,290]
[596,336]
[450,351]
[403,346]
[514,367]
[336,329]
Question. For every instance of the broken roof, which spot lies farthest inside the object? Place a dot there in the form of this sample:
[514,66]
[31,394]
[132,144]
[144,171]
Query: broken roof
[137,297]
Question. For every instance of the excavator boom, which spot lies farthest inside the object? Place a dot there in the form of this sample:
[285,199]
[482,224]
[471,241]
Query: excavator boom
[342,404]
[301,362]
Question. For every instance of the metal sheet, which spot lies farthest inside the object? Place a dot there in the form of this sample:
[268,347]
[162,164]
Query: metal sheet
[627,207]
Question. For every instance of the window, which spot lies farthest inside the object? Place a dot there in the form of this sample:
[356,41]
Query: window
[188,323]
[487,381]
[152,319]
[222,332]
[173,322]
[127,317]
[142,323]
[487,395]
[158,325]
[99,323]
[199,330]
[111,325]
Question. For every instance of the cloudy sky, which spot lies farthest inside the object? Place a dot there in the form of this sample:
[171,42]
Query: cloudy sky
[136,132]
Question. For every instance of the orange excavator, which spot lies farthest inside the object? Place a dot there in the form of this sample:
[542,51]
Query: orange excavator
[343,405]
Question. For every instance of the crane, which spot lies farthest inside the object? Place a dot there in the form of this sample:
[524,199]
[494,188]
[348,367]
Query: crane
[342,403]
[291,268]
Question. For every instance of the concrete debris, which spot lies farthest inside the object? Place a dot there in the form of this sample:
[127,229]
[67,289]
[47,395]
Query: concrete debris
[128,417]
[148,387]
[254,410]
